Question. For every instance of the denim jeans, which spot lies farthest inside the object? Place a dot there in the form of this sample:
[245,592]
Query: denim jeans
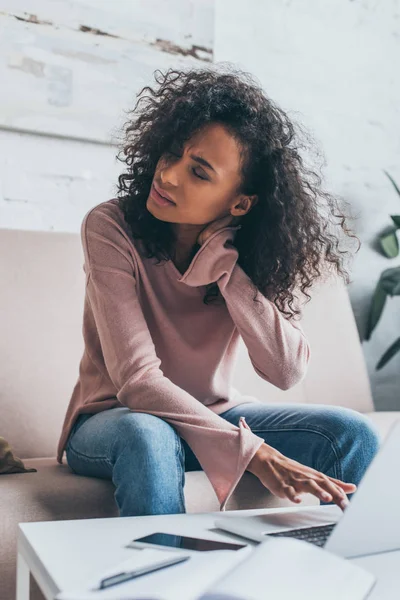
[146,458]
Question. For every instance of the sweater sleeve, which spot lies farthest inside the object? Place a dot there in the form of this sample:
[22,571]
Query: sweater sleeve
[277,347]
[223,450]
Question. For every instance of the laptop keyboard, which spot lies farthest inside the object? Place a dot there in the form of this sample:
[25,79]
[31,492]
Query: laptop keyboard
[316,535]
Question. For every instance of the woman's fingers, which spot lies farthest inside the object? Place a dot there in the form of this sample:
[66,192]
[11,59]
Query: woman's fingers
[337,493]
[326,491]
[314,488]
[285,477]
[323,489]
[349,487]
[334,490]
[291,493]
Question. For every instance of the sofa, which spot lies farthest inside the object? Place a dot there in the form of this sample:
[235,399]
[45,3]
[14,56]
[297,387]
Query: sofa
[41,304]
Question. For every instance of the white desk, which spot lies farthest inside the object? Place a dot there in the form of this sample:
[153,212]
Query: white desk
[386,568]
[62,554]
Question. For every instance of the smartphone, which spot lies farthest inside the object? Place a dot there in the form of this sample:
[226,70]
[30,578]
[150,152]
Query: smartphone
[182,542]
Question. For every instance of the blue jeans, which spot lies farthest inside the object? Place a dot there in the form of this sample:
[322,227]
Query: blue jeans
[146,458]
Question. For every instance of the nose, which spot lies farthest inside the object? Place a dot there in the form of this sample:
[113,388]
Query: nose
[169,174]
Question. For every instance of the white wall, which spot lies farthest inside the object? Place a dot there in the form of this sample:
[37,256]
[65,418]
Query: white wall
[68,73]
[49,183]
[334,66]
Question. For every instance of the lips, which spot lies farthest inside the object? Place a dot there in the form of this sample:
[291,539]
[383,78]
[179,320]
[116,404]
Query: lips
[161,196]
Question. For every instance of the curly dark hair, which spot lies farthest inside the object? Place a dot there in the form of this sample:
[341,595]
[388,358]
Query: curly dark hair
[292,235]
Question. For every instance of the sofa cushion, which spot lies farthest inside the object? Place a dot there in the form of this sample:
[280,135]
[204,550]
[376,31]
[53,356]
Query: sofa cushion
[57,493]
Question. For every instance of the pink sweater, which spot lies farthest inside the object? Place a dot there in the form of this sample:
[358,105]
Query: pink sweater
[151,344]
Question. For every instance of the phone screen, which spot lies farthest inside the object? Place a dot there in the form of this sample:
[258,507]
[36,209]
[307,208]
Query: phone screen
[187,543]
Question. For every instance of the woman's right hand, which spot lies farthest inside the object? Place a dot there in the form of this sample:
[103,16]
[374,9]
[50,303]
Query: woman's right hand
[287,478]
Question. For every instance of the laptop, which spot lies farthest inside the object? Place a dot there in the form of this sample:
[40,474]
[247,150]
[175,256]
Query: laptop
[369,525]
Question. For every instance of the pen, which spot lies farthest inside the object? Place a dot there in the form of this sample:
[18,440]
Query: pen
[127,575]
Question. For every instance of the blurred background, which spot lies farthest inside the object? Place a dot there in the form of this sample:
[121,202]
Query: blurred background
[69,69]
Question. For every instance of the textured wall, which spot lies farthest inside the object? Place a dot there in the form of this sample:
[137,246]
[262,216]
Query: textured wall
[334,66]
[70,70]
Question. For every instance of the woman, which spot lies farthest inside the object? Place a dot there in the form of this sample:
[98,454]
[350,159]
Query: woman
[217,229]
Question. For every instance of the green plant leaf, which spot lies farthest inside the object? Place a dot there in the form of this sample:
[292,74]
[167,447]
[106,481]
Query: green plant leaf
[390,281]
[390,244]
[377,305]
[396,220]
[396,187]
[390,352]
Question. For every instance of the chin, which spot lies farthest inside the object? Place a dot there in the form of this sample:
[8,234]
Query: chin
[158,212]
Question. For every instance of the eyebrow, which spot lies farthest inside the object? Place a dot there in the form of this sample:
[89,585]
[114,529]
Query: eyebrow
[202,161]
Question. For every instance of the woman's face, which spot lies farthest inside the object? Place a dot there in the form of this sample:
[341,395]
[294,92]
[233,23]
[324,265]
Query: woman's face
[201,180]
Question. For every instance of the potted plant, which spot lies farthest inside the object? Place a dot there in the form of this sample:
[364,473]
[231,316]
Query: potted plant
[388,284]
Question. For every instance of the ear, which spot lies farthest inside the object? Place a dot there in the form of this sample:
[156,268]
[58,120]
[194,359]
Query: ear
[244,205]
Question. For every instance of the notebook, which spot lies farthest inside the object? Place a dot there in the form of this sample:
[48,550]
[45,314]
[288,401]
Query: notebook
[284,568]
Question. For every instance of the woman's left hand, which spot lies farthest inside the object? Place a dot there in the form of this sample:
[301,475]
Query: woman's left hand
[214,226]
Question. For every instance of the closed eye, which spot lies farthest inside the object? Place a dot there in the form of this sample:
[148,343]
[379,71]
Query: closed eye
[195,171]
[198,175]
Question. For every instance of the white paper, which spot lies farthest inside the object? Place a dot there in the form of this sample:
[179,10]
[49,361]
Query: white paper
[183,581]
[282,568]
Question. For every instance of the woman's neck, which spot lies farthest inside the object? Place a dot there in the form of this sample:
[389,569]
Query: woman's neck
[186,245]
[183,257]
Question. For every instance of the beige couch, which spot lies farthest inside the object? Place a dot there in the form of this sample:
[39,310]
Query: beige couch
[41,300]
